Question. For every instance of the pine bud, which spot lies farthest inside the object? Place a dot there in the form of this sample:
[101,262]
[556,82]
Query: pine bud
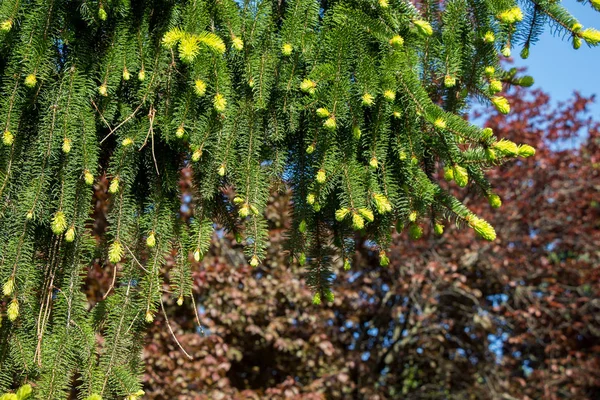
[103,90]
[30,81]
[322,112]
[180,301]
[197,255]
[199,87]
[237,43]
[7,138]
[506,147]
[486,133]
[179,132]
[576,27]
[438,229]
[373,163]
[102,14]
[525,53]
[238,200]
[9,286]
[382,204]
[489,71]
[13,310]
[244,211]
[412,217]
[88,177]
[302,259]
[24,392]
[126,74]
[423,27]
[357,222]
[321,176]
[526,150]
[302,226]
[591,36]
[94,397]
[115,252]
[495,86]
[114,185]
[448,173]
[396,114]
[449,81]
[316,299]
[489,37]
[59,223]
[219,103]
[494,200]
[127,142]
[415,232]
[461,176]
[221,170]
[525,81]
[310,149]
[397,42]
[482,227]
[70,235]
[367,214]
[151,240]
[254,261]
[490,154]
[511,16]
[330,123]
[141,75]
[310,199]
[501,104]
[307,85]
[317,207]
[383,3]
[29,215]
[347,265]
[254,209]
[367,100]
[251,83]
[384,261]
[172,37]
[196,155]
[576,42]
[440,123]
[329,296]
[356,132]
[287,49]
[6,25]
[505,51]
[389,95]
[341,214]
[149,317]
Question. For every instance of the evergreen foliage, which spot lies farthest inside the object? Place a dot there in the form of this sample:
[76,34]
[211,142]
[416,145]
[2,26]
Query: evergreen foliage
[353,104]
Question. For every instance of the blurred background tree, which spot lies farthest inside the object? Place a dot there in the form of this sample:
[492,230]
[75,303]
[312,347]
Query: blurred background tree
[449,318]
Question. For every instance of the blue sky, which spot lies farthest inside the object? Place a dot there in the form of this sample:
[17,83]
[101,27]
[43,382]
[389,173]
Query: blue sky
[559,69]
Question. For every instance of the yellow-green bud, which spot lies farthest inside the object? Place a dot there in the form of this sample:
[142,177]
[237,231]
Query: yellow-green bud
[254,261]
[13,310]
[244,211]
[486,133]
[102,14]
[197,258]
[489,71]
[501,104]
[302,226]
[322,112]
[66,146]
[151,240]
[219,102]
[126,74]
[59,223]
[367,100]
[396,114]
[505,51]
[316,299]
[506,147]
[7,138]
[525,81]
[196,155]
[251,83]
[6,25]
[103,90]
[511,15]
[482,227]
[180,301]
[576,42]
[357,222]
[237,43]
[199,87]
[591,36]
[254,209]
[310,149]
[317,207]
[356,132]
[384,3]
[389,95]
[221,170]
[70,235]
[489,37]
[141,75]
[321,176]
[490,154]
[341,214]
[149,317]
[449,81]
[526,150]
[88,177]
[525,53]
[302,259]
[495,86]
[415,232]
[382,204]
[94,397]
[29,215]
[179,132]
[397,42]
[384,261]
[438,229]
[115,252]
[310,199]
[423,27]
[30,81]
[412,217]
[330,123]
[461,176]
[373,163]
[127,142]
[440,123]
[114,185]
[347,265]
[238,200]
[494,200]
[308,85]
[9,286]
[287,49]
[366,214]
[24,392]
[448,173]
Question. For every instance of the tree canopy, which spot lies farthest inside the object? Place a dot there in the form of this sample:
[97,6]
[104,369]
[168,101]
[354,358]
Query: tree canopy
[355,106]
